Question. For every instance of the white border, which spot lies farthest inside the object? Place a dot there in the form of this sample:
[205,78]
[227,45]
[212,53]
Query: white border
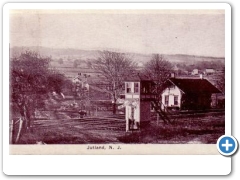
[113,165]
[110,6]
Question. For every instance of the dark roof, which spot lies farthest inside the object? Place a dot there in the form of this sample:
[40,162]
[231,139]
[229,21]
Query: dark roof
[194,86]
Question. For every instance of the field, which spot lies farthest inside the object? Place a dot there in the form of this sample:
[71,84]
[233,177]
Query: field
[196,129]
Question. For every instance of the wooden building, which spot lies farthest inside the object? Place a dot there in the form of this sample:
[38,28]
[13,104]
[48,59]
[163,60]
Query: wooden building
[188,94]
[138,97]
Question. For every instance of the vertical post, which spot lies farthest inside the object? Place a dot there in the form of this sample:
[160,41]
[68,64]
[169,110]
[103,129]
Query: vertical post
[11,132]
[157,118]
[216,101]
[96,110]
[127,118]
[20,129]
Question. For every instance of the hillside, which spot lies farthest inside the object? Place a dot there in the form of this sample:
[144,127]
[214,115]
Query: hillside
[87,55]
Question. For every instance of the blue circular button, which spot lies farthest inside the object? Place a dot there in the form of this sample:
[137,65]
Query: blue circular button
[227,145]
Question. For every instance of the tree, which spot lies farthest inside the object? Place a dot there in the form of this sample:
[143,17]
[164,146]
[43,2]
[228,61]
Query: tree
[60,61]
[31,80]
[221,80]
[75,63]
[55,82]
[28,74]
[158,69]
[115,68]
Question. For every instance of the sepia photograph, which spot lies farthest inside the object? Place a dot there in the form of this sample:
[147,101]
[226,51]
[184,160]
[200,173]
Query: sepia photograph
[109,78]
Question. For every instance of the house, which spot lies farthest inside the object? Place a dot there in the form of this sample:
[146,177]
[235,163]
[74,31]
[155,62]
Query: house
[188,94]
[195,72]
[209,71]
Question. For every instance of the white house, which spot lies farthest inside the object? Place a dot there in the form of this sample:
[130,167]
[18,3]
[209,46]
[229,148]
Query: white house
[185,93]
[209,71]
[195,72]
[171,97]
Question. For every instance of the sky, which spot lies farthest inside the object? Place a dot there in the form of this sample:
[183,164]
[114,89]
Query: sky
[193,32]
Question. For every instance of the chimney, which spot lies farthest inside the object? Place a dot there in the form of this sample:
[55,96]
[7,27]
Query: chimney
[201,76]
[172,75]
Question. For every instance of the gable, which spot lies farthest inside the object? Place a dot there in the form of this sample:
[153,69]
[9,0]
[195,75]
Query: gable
[171,90]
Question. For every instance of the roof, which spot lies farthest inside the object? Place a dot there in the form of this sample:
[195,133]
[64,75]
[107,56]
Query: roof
[209,70]
[194,86]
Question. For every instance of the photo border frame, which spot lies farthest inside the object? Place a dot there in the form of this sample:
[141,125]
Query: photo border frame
[12,163]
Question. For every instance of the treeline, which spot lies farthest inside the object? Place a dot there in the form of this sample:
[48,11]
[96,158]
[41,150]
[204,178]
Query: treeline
[200,65]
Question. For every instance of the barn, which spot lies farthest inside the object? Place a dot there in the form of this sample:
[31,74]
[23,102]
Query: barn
[209,71]
[188,94]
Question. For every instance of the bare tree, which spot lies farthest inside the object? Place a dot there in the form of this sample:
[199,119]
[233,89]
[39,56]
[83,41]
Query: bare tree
[158,69]
[31,81]
[221,80]
[115,68]
[60,61]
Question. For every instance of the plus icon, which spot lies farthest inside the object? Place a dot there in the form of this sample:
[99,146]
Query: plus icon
[227,145]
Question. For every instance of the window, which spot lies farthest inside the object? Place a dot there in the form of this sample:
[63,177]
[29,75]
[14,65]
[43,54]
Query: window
[128,87]
[166,100]
[146,88]
[175,100]
[136,87]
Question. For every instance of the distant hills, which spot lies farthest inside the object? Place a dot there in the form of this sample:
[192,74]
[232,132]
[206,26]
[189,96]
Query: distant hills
[85,55]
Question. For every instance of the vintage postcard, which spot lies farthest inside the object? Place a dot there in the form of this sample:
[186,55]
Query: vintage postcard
[123,81]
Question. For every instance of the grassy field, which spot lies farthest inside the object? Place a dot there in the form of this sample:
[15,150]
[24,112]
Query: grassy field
[100,130]
[197,130]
